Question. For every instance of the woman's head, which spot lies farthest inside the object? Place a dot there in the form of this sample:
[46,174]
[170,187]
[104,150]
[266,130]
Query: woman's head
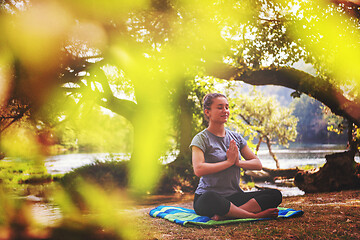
[208,102]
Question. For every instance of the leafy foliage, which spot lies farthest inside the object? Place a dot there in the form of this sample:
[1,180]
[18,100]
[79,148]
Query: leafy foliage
[312,117]
[268,117]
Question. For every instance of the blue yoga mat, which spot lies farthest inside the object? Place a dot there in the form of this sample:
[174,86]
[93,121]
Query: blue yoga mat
[186,217]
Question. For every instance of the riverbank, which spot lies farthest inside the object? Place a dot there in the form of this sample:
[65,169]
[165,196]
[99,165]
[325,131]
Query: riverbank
[327,216]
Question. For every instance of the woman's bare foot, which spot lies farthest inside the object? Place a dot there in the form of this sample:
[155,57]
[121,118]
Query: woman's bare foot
[217,218]
[268,213]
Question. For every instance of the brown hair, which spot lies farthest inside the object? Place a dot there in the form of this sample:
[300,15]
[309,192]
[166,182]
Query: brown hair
[208,100]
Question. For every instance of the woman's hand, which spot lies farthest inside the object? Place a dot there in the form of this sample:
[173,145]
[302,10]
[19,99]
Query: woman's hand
[202,168]
[232,153]
[252,162]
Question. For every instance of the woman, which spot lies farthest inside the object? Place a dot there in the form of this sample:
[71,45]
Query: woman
[216,158]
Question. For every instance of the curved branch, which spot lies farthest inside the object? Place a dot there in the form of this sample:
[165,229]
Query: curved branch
[295,79]
[123,107]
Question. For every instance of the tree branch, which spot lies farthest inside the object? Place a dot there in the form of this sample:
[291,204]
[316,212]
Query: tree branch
[15,118]
[123,107]
[295,79]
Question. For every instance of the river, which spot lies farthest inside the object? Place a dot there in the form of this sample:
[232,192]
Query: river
[298,155]
[295,156]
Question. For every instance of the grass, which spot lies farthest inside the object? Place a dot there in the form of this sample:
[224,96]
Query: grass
[327,216]
[22,178]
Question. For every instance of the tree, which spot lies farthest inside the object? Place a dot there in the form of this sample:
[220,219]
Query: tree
[273,123]
[287,34]
[137,39]
[154,46]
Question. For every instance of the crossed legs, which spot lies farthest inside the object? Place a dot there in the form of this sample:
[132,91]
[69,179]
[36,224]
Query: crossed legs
[259,204]
[251,209]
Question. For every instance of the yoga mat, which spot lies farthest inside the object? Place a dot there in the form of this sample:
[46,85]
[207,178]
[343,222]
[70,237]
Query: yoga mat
[186,217]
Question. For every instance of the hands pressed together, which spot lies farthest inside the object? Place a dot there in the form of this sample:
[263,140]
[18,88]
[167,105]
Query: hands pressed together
[232,154]
[201,167]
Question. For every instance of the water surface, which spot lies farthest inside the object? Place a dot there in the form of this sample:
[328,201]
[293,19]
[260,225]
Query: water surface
[294,156]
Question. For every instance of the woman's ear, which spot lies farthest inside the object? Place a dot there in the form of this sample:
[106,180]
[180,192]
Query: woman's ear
[207,112]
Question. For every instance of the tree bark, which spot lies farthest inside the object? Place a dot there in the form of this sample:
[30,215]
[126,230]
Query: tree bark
[340,172]
[268,174]
[282,173]
[185,126]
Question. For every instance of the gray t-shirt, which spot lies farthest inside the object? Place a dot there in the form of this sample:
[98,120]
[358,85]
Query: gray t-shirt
[225,182]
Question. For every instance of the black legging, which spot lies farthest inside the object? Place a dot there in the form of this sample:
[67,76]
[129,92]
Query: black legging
[211,203]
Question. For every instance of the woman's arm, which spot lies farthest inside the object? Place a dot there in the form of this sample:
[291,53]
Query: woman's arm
[252,161]
[202,168]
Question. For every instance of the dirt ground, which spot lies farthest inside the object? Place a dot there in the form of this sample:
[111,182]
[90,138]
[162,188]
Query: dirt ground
[334,215]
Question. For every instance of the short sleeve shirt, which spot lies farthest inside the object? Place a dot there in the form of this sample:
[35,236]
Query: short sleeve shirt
[225,182]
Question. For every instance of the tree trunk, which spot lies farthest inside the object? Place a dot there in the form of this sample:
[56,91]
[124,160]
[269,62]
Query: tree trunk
[267,174]
[258,145]
[353,141]
[178,176]
[185,126]
[271,153]
[340,172]
[282,173]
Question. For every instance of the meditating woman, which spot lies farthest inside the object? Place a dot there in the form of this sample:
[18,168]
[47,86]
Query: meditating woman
[216,158]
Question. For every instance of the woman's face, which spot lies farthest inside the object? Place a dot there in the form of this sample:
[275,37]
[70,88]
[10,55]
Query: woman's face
[219,110]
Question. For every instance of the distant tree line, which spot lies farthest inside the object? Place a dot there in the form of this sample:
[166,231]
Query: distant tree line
[316,124]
